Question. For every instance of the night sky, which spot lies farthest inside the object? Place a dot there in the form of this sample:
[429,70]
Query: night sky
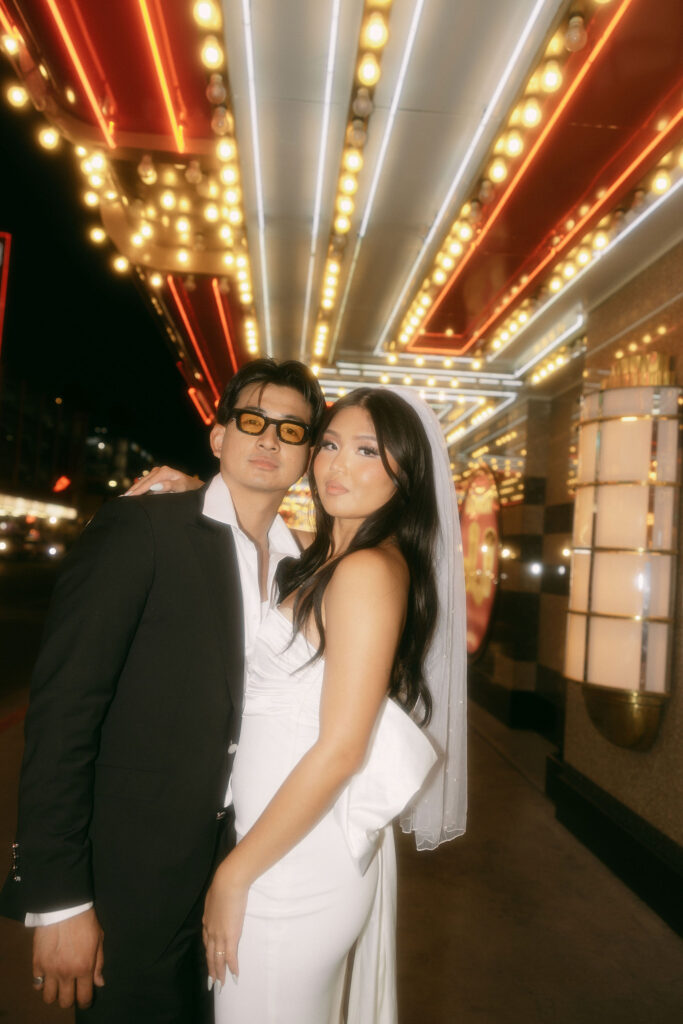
[72,326]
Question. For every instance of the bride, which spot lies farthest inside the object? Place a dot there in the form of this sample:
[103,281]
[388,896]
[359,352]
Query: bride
[354,703]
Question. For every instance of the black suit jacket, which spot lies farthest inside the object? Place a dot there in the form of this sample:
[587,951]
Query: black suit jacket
[135,700]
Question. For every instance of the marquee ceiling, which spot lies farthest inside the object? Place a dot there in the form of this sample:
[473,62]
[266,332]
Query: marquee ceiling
[421,191]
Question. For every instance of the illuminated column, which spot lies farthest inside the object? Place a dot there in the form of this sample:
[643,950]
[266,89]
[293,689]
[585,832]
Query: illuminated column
[620,619]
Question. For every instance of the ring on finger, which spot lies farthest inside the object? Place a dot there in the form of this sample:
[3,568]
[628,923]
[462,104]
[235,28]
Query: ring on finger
[38,980]
[219,952]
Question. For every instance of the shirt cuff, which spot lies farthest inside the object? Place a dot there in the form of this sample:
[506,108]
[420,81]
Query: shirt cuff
[55,916]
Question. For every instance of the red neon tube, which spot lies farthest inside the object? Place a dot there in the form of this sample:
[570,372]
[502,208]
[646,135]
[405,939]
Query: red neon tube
[504,199]
[191,334]
[224,323]
[80,71]
[200,405]
[161,75]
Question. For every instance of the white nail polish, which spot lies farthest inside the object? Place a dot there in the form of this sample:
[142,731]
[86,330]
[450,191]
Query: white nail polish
[156,487]
[209,983]
[218,987]
[234,977]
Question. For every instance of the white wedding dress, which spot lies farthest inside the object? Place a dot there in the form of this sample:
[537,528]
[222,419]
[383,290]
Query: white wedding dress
[337,886]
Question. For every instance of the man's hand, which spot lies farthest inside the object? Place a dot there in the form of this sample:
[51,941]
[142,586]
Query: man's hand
[69,956]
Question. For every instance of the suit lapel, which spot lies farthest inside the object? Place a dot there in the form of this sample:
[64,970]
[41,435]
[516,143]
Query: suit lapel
[215,547]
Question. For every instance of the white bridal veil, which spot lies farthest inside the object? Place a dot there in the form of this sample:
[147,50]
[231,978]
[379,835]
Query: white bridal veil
[439,812]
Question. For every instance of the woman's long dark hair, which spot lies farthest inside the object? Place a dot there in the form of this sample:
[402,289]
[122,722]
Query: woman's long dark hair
[409,519]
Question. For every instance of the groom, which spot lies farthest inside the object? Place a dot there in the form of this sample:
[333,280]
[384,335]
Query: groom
[135,711]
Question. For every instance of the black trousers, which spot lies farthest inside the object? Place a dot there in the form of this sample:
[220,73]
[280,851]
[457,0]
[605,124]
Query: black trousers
[173,990]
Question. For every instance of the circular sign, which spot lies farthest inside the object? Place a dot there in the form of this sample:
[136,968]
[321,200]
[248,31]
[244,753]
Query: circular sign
[479,522]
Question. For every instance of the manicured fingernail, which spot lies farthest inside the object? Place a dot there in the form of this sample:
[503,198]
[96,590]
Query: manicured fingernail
[234,977]
[209,983]
[156,487]
[218,986]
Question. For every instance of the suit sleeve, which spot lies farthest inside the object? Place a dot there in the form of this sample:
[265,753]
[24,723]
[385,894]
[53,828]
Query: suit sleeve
[95,611]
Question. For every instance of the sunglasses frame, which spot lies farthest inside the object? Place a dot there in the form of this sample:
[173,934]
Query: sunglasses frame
[267,420]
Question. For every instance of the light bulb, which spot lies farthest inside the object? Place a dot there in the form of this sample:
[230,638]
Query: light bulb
[182,225]
[48,138]
[551,79]
[147,170]
[17,96]
[120,264]
[211,212]
[211,53]
[375,31]
[183,256]
[368,70]
[98,235]
[352,160]
[229,174]
[10,45]
[348,184]
[193,173]
[514,143]
[342,224]
[216,93]
[91,199]
[226,150]
[156,280]
[531,113]
[498,170]
[661,182]
[206,14]
[168,200]
[575,37]
[345,205]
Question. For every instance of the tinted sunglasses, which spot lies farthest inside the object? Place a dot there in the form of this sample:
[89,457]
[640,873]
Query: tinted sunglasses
[255,423]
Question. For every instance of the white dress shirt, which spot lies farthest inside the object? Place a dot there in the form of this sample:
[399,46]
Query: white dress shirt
[219,506]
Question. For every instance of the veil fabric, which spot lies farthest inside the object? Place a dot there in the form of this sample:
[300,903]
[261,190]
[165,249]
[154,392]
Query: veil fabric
[439,812]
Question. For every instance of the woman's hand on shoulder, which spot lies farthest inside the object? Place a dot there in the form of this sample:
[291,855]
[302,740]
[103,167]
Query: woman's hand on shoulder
[164,479]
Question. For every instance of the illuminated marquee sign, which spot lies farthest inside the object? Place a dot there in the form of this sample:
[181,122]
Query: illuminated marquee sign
[480,539]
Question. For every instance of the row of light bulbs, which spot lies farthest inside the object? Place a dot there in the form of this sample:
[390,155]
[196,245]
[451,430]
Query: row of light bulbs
[591,245]
[222,209]
[373,38]
[526,116]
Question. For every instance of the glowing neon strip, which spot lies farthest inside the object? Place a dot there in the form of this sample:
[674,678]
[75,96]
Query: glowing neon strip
[161,75]
[188,327]
[324,133]
[4,273]
[464,165]
[580,224]
[504,199]
[249,48]
[379,166]
[224,323]
[198,400]
[80,71]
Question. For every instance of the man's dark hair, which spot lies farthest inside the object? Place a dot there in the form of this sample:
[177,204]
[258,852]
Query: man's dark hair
[288,374]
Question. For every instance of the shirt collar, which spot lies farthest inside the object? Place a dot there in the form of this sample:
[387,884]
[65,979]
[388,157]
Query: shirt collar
[219,506]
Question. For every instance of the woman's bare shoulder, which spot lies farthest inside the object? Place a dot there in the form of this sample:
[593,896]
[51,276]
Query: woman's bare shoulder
[373,570]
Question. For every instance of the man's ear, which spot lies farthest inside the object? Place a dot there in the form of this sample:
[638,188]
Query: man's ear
[216,439]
